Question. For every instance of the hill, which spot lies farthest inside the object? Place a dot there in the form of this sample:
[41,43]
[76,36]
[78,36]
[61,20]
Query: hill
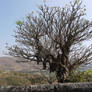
[10,64]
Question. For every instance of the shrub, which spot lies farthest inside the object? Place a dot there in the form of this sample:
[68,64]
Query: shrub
[81,76]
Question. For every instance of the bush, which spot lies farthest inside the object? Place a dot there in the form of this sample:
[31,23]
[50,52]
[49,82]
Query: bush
[81,76]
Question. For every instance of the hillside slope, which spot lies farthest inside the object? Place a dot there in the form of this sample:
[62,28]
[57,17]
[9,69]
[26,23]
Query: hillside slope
[9,63]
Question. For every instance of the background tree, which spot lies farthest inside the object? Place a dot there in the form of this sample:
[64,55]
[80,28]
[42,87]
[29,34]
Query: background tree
[54,36]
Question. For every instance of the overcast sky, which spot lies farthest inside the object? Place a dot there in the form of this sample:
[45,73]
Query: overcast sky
[13,10]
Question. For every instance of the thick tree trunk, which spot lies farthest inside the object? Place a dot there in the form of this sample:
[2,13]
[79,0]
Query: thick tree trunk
[59,65]
[62,71]
[62,74]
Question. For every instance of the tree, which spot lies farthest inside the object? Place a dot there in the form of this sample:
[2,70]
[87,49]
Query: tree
[54,36]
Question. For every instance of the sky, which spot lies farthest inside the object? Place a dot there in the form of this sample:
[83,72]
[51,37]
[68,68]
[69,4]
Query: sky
[13,10]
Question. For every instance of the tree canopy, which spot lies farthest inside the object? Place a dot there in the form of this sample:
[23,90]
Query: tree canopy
[53,36]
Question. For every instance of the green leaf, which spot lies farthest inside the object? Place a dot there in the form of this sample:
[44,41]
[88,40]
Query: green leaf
[77,1]
[18,22]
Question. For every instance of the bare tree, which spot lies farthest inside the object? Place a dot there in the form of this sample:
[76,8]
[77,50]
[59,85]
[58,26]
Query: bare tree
[54,36]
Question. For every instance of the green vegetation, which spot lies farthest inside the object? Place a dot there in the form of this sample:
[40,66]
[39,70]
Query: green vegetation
[81,76]
[20,78]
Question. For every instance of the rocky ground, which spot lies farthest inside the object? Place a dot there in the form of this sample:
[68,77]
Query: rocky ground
[67,87]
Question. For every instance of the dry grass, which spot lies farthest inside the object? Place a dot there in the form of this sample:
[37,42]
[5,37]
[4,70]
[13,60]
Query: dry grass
[18,78]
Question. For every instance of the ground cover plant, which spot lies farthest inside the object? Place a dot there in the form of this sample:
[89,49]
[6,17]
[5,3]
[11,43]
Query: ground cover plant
[11,78]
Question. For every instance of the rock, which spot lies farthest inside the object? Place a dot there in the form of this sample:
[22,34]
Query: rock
[64,87]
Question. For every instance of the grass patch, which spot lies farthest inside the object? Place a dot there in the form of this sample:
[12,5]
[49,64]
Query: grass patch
[20,78]
[35,78]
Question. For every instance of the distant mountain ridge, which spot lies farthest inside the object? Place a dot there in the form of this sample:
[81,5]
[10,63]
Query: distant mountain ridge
[10,64]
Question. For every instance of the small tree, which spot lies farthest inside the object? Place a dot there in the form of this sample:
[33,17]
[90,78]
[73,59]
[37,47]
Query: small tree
[54,37]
